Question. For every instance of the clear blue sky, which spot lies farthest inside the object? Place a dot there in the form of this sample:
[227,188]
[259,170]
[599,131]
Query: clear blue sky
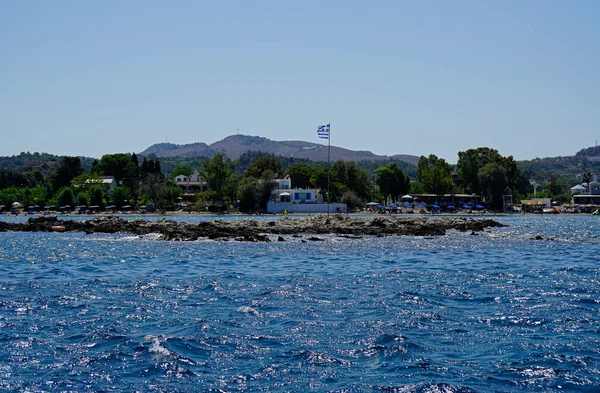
[393,77]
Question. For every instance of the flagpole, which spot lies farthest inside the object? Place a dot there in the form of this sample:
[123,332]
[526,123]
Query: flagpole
[328,167]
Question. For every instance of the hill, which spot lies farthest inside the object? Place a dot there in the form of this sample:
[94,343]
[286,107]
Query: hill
[235,146]
[541,169]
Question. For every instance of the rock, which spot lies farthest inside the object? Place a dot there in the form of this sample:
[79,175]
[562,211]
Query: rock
[259,231]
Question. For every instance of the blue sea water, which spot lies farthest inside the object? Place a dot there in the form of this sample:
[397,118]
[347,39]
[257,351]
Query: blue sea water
[500,311]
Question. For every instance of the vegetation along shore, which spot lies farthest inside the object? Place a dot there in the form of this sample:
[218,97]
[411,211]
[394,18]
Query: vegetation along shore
[481,180]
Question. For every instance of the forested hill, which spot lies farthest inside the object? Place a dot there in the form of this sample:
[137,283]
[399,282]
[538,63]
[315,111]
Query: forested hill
[43,162]
[585,160]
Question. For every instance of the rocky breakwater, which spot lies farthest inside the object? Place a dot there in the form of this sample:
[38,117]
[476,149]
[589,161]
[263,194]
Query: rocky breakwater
[256,230]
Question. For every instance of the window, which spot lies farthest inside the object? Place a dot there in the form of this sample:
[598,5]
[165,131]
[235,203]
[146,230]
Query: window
[308,196]
[296,195]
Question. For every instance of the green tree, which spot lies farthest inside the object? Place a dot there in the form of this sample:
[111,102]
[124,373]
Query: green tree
[82,198]
[120,166]
[97,196]
[182,169]
[300,175]
[264,188]
[66,197]
[262,164]
[351,178]
[69,168]
[587,178]
[392,180]
[470,162]
[435,175]
[351,200]
[248,195]
[121,196]
[153,187]
[217,171]
[493,177]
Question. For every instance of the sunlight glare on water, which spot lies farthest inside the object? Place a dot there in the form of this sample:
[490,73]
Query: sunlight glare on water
[497,311]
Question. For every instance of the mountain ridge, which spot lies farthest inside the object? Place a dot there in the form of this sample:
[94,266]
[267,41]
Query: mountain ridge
[234,146]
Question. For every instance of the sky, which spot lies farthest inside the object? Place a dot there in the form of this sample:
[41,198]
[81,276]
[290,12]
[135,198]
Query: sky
[86,78]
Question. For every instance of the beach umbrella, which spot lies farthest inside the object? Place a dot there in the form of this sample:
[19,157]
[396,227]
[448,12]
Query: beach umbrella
[126,207]
[479,207]
[143,207]
[16,204]
[435,206]
[110,206]
[30,207]
[46,207]
[2,206]
[81,207]
[408,197]
[94,207]
[372,204]
[450,207]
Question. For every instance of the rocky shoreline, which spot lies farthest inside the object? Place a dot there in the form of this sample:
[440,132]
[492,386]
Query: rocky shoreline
[255,230]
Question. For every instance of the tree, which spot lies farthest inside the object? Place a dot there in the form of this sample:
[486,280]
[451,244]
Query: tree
[153,187]
[96,196]
[300,175]
[392,181]
[587,178]
[438,181]
[247,195]
[264,163]
[435,175]
[352,178]
[470,162]
[69,168]
[121,196]
[217,171]
[264,187]
[181,169]
[493,177]
[66,197]
[120,166]
[351,200]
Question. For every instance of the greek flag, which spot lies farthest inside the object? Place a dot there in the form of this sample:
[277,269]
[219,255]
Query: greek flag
[323,131]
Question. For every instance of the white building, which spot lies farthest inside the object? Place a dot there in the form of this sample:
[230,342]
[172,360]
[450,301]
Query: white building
[191,184]
[108,181]
[299,200]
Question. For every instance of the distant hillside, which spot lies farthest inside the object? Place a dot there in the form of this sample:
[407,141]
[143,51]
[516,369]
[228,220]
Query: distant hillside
[236,145]
[541,169]
[43,162]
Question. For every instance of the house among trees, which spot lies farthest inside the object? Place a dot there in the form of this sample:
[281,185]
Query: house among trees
[299,200]
[586,194]
[191,184]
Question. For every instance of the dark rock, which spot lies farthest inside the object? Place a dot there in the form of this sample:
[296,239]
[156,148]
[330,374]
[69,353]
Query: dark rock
[259,231]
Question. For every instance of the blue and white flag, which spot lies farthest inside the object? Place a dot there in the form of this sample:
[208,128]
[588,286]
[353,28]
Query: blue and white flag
[323,131]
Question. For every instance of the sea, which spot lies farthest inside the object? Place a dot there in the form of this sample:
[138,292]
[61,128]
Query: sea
[513,309]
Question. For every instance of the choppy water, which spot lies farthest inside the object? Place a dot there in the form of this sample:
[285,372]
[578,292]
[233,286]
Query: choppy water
[500,312]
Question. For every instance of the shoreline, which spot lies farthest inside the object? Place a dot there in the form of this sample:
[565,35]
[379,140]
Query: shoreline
[258,230]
